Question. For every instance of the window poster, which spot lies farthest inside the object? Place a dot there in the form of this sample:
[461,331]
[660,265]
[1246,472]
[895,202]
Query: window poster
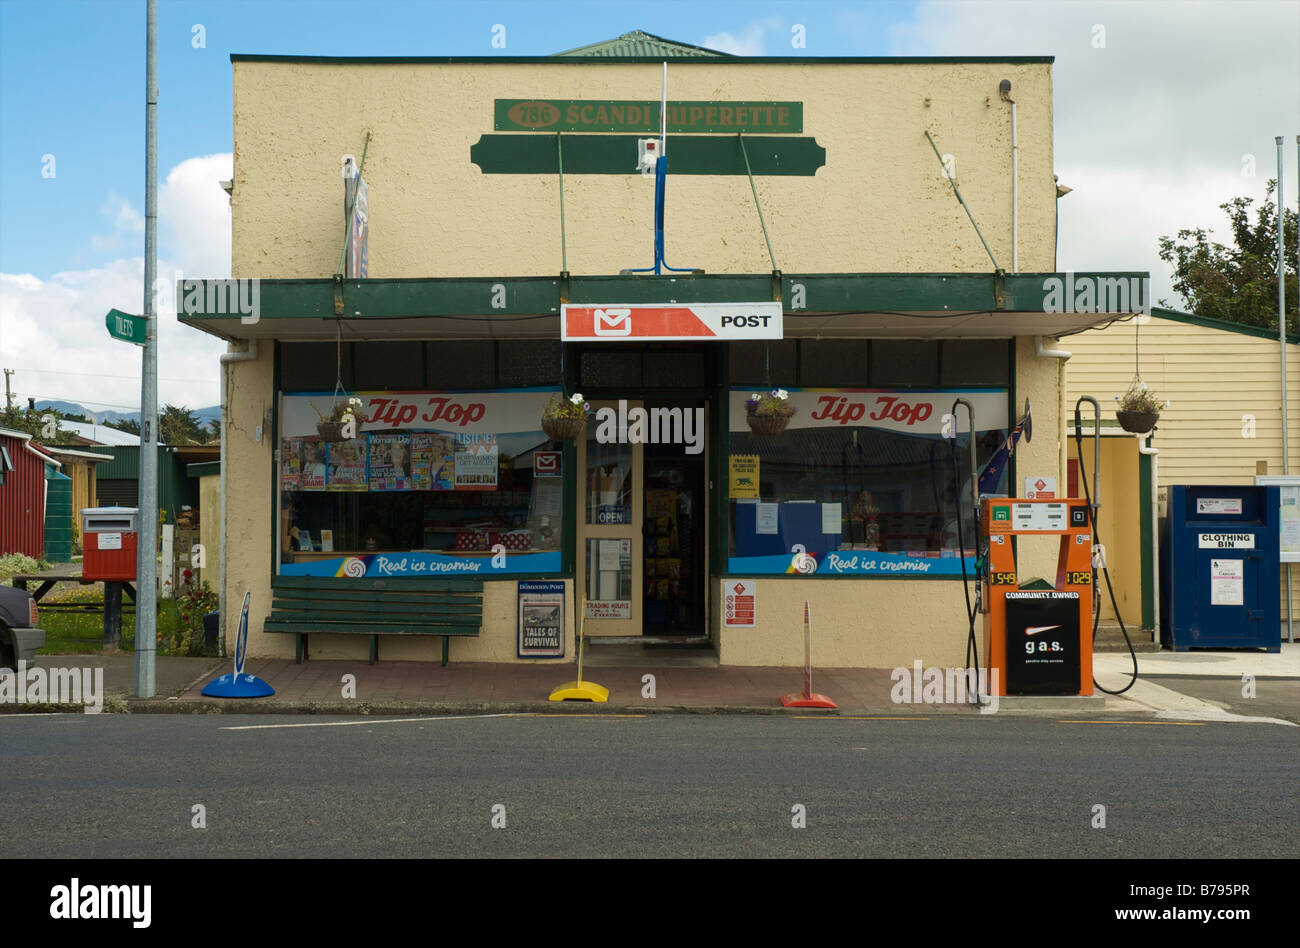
[432,460]
[390,461]
[290,463]
[312,458]
[347,465]
[476,462]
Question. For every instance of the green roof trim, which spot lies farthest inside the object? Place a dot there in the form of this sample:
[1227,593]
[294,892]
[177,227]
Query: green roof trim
[530,296]
[1210,322]
[721,60]
[202,468]
[639,43]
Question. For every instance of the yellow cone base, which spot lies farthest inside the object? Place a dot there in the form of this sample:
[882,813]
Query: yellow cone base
[580,691]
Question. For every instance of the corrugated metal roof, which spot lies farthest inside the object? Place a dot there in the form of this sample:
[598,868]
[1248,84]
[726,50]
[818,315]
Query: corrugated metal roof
[101,434]
[638,43]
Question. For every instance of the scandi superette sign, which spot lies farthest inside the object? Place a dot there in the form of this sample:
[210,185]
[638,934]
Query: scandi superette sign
[456,412]
[911,412]
[664,322]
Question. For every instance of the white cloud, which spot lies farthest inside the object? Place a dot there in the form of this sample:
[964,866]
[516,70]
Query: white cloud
[749,41]
[52,330]
[1150,130]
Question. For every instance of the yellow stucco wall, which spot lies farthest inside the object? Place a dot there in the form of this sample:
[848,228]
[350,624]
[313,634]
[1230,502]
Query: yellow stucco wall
[894,622]
[210,527]
[881,204]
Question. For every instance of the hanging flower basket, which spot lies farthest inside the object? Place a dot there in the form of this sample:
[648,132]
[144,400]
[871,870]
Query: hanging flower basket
[346,410]
[1137,422]
[330,430]
[564,429]
[769,423]
[565,419]
[1138,409]
[768,413]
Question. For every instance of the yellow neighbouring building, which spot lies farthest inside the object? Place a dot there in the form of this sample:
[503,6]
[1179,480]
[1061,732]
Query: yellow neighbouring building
[822,250]
[1222,425]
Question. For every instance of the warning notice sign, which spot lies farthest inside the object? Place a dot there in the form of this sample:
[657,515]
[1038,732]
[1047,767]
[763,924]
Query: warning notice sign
[738,603]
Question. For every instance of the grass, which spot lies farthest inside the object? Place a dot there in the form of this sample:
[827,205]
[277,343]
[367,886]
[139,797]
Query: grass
[82,631]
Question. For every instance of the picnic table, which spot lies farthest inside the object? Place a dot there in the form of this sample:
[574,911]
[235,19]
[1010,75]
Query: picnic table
[112,595]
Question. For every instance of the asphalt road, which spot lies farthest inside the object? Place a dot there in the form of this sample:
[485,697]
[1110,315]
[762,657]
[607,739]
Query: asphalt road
[78,786]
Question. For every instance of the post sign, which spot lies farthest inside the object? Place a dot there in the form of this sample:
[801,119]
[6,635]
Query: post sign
[541,620]
[126,327]
[665,322]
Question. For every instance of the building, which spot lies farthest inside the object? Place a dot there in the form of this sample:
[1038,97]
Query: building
[25,468]
[1222,426]
[810,201]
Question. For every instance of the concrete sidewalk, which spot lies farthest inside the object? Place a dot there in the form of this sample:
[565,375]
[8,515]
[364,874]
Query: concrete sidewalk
[322,687]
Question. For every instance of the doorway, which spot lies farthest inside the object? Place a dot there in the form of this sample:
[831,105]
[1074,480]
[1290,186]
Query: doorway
[673,536]
[643,528]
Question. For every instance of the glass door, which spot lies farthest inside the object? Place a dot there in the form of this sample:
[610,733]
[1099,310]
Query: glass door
[610,527]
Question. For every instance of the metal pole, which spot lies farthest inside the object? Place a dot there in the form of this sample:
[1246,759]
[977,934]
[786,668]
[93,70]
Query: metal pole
[1281,305]
[1281,335]
[147,573]
[1290,627]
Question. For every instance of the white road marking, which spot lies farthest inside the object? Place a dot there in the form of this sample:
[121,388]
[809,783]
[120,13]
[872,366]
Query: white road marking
[369,721]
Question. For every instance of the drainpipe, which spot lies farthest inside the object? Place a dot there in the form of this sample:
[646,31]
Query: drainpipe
[1061,354]
[1144,447]
[248,355]
[1004,89]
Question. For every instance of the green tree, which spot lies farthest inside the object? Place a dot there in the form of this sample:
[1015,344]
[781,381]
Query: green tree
[1237,283]
[34,422]
[129,425]
[177,425]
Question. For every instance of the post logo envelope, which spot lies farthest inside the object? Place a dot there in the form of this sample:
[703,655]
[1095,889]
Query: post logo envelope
[613,322]
[546,463]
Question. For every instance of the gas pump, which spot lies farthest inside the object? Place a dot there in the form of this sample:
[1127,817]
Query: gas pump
[1037,640]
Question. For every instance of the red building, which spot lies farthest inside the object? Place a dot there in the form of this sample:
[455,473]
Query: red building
[22,494]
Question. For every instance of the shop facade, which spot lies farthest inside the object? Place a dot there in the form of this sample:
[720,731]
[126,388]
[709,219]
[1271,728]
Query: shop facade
[505,207]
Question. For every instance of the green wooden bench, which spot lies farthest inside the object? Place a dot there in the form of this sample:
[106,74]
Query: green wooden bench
[305,604]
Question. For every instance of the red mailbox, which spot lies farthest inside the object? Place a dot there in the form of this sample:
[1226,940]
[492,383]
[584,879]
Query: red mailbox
[109,537]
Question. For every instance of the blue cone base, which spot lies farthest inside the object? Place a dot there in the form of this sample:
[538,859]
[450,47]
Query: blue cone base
[238,686]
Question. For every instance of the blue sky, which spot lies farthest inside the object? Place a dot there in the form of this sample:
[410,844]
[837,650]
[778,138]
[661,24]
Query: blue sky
[1152,131]
[73,81]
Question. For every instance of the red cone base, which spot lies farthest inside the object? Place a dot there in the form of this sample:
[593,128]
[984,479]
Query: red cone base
[813,700]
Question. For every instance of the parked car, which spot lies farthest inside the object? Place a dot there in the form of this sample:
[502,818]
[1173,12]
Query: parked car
[20,634]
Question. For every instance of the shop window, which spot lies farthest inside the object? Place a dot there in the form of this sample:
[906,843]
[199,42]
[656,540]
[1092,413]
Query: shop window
[834,362]
[904,363]
[528,362]
[460,364]
[434,483]
[860,482]
[747,363]
[314,366]
[392,365]
[976,362]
